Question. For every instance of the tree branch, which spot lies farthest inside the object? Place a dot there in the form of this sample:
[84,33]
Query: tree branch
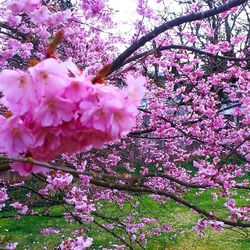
[182,47]
[170,24]
[140,189]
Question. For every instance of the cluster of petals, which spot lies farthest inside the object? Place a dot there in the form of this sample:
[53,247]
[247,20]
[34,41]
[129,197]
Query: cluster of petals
[11,246]
[22,6]
[59,180]
[202,224]
[3,197]
[38,13]
[22,209]
[93,8]
[83,206]
[77,243]
[49,231]
[55,108]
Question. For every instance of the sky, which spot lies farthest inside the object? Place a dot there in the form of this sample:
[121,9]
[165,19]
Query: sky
[126,7]
[126,11]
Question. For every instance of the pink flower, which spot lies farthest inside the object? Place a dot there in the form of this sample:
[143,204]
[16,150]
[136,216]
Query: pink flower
[40,15]
[18,91]
[22,209]
[78,243]
[189,37]
[92,8]
[50,77]
[78,90]
[215,196]
[84,140]
[46,143]
[72,68]
[238,39]
[49,231]
[224,46]
[94,114]
[3,197]
[55,19]
[16,136]
[83,243]
[17,6]
[216,225]
[226,13]
[53,111]
[212,48]
[122,122]
[60,181]
[11,246]
[25,169]
[135,89]
[14,20]
[248,157]
[108,111]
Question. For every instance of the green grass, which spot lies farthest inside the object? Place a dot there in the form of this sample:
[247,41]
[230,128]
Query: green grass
[26,231]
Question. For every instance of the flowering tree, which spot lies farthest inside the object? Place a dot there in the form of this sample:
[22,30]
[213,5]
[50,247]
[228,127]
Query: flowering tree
[88,123]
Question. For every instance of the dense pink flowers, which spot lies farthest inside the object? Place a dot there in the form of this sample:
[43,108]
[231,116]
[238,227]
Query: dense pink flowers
[77,243]
[56,109]
[93,8]
[194,123]
[17,6]
[59,181]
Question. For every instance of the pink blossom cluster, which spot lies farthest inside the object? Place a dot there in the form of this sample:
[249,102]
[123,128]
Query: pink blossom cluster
[226,13]
[39,14]
[92,8]
[43,15]
[76,243]
[49,231]
[56,109]
[194,122]
[22,209]
[202,224]
[11,246]
[83,206]
[237,213]
[3,197]
[59,180]
[17,6]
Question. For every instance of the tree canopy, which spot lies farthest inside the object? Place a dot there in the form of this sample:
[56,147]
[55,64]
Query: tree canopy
[88,122]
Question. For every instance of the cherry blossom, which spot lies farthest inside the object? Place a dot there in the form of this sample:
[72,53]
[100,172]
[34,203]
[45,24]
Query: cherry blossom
[92,125]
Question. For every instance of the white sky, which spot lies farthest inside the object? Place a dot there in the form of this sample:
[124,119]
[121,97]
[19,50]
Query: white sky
[124,6]
[126,12]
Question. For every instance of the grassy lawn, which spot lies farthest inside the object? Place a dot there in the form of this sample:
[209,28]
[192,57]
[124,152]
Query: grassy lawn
[26,231]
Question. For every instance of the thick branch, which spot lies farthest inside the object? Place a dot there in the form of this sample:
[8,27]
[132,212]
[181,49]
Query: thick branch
[182,47]
[146,131]
[105,176]
[170,24]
